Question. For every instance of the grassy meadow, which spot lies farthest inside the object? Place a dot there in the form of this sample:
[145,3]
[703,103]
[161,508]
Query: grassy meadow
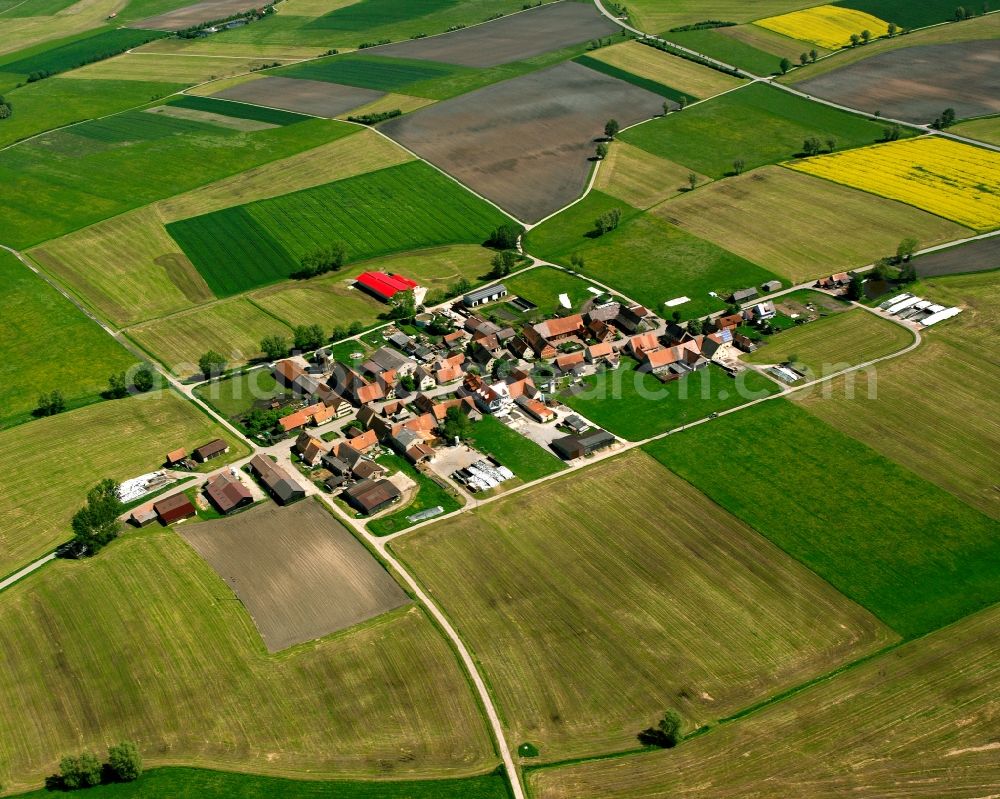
[46,343]
[801,227]
[737,52]
[145,642]
[372,72]
[931,703]
[655,16]
[635,405]
[543,286]
[46,484]
[522,456]
[910,552]
[904,14]
[833,343]
[758,124]
[646,259]
[594,606]
[395,209]
[934,409]
[641,179]
[429,494]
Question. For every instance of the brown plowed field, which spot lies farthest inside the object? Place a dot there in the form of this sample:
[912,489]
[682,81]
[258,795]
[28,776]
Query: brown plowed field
[917,83]
[316,97]
[513,38]
[298,572]
[187,17]
[525,143]
[979,256]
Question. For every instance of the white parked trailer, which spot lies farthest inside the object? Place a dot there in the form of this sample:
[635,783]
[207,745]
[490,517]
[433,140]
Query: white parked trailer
[940,316]
[902,305]
[894,300]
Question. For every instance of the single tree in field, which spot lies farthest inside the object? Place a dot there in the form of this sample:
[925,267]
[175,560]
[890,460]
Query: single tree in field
[892,29]
[855,40]
[608,221]
[738,166]
[907,247]
[308,337]
[6,109]
[811,146]
[666,734]
[50,404]
[682,102]
[866,36]
[576,261]
[831,144]
[602,150]
[947,117]
[118,386]
[692,180]
[804,58]
[96,524]
[456,424]
[125,761]
[274,347]
[784,65]
[144,378]
[212,364]
[961,13]
[813,55]
[611,128]
[666,107]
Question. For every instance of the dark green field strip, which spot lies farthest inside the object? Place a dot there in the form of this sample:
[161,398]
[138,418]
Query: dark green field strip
[84,51]
[727,49]
[910,552]
[370,14]
[758,124]
[391,210]
[643,83]
[137,126]
[190,783]
[372,72]
[910,14]
[228,108]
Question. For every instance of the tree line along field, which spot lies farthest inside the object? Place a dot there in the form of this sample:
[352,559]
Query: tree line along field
[594,606]
[829,345]
[936,408]
[914,722]
[71,178]
[649,260]
[88,639]
[47,484]
[46,343]
[189,783]
[910,552]
[395,209]
[758,124]
[130,269]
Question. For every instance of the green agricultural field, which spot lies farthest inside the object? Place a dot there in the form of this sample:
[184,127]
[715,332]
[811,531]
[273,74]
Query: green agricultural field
[59,101]
[273,116]
[383,699]
[45,485]
[641,179]
[189,783]
[46,343]
[430,494]
[643,83]
[758,124]
[713,43]
[655,16]
[986,129]
[522,456]
[829,345]
[932,701]
[935,409]
[594,605]
[906,14]
[71,178]
[80,52]
[635,405]
[234,396]
[392,210]
[905,549]
[831,229]
[543,285]
[371,72]
[647,259]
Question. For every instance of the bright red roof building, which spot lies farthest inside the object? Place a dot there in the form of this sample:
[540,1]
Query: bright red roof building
[385,286]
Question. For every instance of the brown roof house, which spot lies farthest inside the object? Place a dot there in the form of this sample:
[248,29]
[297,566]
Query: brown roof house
[371,496]
[227,493]
[283,487]
[174,508]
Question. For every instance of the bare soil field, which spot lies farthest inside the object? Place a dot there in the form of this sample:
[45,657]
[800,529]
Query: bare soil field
[513,38]
[978,256]
[189,16]
[300,574]
[525,143]
[315,97]
[918,83]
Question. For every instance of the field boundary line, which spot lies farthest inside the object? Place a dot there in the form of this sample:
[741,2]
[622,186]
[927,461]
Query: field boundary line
[24,571]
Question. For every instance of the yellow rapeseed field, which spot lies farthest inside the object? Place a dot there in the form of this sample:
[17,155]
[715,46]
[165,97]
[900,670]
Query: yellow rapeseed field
[954,180]
[828,26]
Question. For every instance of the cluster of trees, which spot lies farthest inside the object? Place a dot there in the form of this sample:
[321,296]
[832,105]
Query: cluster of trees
[861,38]
[39,74]
[705,25]
[808,58]
[503,263]
[813,146]
[456,424]
[50,404]
[892,133]
[897,268]
[212,364]
[340,333]
[250,16]
[372,119]
[404,306]
[946,120]
[85,770]
[321,261]
[96,524]
[141,380]
[504,238]
[608,221]
[666,734]
[6,109]
[261,421]
[366,45]
[304,338]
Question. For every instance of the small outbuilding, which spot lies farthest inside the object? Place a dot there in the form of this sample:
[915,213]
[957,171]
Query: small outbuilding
[577,446]
[213,449]
[371,496]
[484,295]
[174,508]
[176,457]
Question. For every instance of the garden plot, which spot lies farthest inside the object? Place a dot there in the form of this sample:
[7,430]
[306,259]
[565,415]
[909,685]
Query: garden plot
[525,143]
[512,38]
[917,83]
[314,97]
[299,573]
[189,16]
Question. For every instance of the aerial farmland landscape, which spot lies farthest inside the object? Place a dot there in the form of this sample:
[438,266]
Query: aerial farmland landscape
[500,399]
